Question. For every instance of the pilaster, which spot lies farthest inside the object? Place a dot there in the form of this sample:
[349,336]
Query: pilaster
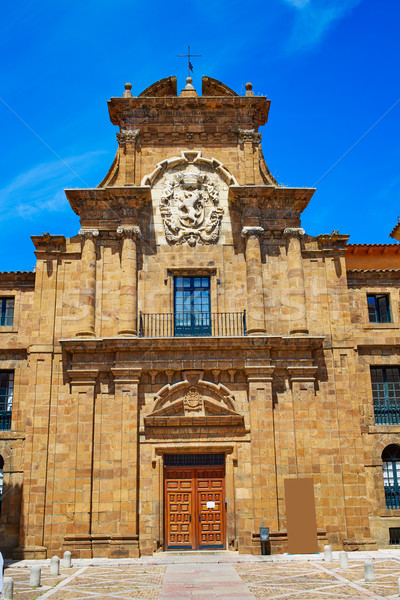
[127,139]
[125,542]
[264,492]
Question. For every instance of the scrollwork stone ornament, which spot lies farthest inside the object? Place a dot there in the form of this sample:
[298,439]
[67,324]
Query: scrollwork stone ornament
[298,232]
[129,231]
[248,231]
[190,209]
[88,233]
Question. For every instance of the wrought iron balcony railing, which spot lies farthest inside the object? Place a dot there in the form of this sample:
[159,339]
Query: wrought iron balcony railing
[392,495]
[187,324]
[387,415]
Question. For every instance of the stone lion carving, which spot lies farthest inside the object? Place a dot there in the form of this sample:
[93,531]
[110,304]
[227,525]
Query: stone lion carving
[189,209]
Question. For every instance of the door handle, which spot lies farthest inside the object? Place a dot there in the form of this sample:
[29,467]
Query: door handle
[199,518]
[190,518]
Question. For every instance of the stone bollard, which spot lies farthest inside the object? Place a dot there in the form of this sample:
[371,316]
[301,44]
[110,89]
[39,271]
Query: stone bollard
[8,588]
[55,566]
[66,561]
[34,576]
[343,560]
[327,554]
[369,571]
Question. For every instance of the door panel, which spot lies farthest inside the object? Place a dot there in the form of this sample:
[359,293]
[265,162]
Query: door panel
[211,507]
[194,508]
[179,508]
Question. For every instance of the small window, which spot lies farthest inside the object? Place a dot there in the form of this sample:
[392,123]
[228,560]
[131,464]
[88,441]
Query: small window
[386,395]
[7,312]
[378,308]
[6,399]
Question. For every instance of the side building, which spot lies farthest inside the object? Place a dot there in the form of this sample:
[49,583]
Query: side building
[165,372]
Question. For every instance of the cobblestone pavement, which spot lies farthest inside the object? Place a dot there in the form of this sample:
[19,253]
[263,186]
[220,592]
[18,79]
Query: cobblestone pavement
[223,577]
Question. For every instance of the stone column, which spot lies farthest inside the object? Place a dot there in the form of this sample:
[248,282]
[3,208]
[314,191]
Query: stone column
[128,293]
[87,294]
[295,275]
[255,292]
[264,490]
[125,541]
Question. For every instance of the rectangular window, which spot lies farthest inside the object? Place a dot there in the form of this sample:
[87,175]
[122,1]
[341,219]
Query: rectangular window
[7,312]
[378,308]
[192,306]
[6,399]
[386,394]
[394,536]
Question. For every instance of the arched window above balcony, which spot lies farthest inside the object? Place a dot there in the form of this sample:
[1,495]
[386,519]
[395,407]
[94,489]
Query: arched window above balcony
[391,475]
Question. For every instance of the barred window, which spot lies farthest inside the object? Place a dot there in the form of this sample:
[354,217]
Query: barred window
[6,312]
[6,399]
[391,475]
[386,394]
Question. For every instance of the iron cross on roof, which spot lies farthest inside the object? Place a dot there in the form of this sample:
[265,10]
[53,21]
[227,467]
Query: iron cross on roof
[188,56]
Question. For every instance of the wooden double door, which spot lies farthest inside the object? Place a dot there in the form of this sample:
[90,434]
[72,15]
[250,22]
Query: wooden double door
[194,508]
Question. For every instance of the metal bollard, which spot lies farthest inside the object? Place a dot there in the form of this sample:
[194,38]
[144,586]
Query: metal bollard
[34,576]
[66,561]
[343,560]
[327,554]
[55,566]
[8,588]
[369,571]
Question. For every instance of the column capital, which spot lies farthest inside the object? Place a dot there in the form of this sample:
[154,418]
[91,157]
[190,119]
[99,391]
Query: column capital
[249,135]
[88,233]
[127,135]
[298,232]
[259,373]
[129,231]
[247,231]
[126,375]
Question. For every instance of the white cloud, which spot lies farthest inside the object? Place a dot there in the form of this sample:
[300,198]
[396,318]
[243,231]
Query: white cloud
[40,188]
[314,18]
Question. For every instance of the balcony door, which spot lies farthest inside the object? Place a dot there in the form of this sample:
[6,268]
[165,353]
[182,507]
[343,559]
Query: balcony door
[192,310]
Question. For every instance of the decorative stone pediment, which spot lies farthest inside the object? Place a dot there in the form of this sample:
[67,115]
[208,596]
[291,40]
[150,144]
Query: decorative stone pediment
[204,403]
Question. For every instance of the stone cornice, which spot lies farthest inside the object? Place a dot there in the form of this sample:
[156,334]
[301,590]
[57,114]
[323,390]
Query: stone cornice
[47,243]
[110,204]
[217,112]
[271,197]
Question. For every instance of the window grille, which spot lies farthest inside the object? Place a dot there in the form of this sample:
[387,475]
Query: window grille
[394,536]
[6,312]
[391,475]
[386,394]
[378,308]
[6,399]
[194,460]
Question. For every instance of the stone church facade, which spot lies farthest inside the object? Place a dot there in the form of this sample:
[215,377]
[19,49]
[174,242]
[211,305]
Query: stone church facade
[165,371]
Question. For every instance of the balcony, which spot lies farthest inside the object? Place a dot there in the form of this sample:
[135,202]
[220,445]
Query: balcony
[387,415]
[192,324]
[392,496]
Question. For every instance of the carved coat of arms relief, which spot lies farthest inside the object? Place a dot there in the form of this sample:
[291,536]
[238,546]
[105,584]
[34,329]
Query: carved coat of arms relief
[190,208]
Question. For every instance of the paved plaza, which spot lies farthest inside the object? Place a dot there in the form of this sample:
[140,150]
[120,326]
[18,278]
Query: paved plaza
[219,576]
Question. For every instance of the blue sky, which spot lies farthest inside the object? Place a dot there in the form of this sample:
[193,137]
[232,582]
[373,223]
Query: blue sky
[330,68]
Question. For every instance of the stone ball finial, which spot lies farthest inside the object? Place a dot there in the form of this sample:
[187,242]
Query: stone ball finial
[127,92]
[249,86]
[189,80]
